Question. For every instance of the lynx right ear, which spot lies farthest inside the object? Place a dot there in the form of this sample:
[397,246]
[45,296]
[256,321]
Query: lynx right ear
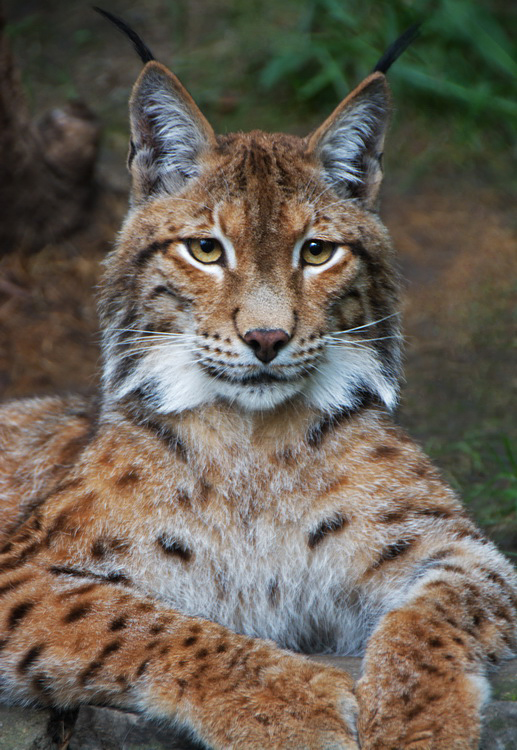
[349,144]
[168,134]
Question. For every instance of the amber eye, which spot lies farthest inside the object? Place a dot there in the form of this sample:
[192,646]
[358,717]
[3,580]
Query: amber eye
[317,252]
[205,250]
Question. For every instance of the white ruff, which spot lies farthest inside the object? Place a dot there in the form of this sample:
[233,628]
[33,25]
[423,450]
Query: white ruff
[174,382]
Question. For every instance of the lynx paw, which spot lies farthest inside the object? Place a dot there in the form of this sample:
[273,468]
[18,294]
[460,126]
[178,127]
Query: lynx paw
[294,705]
[429,719]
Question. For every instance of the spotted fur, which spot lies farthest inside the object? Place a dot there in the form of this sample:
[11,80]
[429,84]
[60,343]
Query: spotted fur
[164,551]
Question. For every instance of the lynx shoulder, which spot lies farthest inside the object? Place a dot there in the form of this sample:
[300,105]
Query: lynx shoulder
[240,492]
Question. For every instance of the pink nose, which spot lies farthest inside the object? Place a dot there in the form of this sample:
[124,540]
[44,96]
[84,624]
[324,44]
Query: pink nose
[266,342]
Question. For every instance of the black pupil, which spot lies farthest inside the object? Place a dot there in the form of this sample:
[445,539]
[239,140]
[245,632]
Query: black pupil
[315,248]
[207,246]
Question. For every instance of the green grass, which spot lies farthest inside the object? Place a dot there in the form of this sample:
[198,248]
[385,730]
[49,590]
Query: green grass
[457,80]
[463,57]
[483,469]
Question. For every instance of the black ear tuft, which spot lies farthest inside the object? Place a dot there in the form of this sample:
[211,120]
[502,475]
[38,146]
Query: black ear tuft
[395,50]
[141,48]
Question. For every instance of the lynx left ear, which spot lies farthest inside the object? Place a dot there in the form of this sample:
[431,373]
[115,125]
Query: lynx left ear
[349,144]
[169,135]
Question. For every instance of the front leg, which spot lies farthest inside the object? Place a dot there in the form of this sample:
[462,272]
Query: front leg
[424,679]
[70,636]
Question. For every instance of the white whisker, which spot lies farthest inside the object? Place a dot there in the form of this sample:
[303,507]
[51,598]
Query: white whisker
[366,325]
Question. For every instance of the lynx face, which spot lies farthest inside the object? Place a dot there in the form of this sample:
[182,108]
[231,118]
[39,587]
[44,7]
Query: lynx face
[253,267]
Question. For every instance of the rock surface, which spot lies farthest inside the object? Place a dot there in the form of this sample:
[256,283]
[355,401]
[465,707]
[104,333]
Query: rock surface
[93,728]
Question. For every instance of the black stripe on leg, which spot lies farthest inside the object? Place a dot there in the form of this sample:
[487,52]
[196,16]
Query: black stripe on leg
[30,657]
[17,614]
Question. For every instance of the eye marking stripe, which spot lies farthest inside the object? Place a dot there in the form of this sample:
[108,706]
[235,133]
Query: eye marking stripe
[338,255]
[215,269]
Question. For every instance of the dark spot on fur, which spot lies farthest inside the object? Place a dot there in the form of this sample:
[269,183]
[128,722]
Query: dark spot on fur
[110,648]
[435,642]
[392,551]
[142,668]
[414,711]
[201,654]
[102,547]
[127,479]
[155,629]
[17,613]
[30,657]
[317,434]
[394,516]
[174,548]
[421,469]
[119,623]
[77,613]
[221,648]
[98,549]
[385,451]
[330,525]
[190,640]
[183,499]
[429,668]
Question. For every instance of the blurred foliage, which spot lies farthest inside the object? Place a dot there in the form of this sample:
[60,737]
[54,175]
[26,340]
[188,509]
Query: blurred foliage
[483,469]
[285,66]
[460,73]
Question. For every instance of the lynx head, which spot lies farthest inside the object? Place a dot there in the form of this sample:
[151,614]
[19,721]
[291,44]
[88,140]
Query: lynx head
[252,268]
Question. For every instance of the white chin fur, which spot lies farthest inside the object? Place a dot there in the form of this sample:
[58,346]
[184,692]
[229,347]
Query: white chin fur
[175,383]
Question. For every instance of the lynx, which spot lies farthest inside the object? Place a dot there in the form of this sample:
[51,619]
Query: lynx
[239,492]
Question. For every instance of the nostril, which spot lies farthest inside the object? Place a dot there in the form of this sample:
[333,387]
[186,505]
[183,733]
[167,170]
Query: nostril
[266,342]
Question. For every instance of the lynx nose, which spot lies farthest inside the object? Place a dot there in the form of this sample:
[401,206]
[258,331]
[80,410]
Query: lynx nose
[266,342]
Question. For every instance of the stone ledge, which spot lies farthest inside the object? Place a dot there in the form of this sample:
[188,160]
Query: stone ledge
[93,728]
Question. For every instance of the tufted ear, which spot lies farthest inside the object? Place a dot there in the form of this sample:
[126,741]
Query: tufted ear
[349,144]
[169,135]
